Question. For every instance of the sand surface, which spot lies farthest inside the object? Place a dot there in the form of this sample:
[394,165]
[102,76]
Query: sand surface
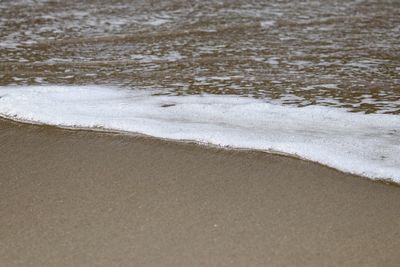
[79,198]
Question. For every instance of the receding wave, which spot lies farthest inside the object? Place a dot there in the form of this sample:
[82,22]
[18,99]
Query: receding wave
[362,144]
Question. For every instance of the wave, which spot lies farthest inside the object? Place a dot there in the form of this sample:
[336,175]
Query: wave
[362,144]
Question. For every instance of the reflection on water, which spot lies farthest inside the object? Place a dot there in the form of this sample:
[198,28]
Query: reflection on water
[336,53]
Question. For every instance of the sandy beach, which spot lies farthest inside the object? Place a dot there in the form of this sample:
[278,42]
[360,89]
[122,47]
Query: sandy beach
[81,198]
[316,80]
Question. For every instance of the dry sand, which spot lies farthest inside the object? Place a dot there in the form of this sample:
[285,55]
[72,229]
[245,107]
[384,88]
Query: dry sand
[80,198]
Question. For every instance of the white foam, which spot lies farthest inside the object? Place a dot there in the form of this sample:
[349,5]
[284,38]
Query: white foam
[363,144]
[267,23]
[171,57]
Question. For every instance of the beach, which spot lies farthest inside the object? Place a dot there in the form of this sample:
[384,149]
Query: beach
[199,133]
[85,198]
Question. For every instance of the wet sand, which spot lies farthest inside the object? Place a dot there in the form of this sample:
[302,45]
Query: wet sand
[80,198]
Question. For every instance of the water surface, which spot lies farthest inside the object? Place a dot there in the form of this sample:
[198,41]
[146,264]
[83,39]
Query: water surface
[331,53]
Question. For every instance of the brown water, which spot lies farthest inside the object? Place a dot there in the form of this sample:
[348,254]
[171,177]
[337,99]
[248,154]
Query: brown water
[336,53]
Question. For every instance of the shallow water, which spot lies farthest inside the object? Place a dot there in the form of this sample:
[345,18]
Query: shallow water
[332,53]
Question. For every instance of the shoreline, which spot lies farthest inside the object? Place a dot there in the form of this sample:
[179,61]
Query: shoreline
[75,198]
[361,144]
[204,145]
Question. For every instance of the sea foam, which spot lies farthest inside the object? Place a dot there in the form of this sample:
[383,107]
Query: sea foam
[362,144]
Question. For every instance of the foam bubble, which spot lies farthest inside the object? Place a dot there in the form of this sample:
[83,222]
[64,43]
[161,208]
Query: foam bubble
[363,144]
